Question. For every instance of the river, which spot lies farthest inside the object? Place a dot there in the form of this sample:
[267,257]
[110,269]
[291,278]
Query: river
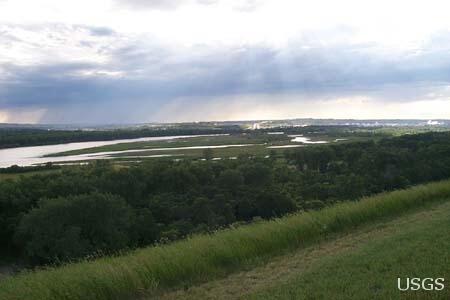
[28,156]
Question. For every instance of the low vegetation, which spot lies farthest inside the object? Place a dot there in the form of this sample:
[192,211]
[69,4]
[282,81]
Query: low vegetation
[234,139]
[205,256]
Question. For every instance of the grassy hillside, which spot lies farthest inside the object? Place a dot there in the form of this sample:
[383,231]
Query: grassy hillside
[148,271]
[363,264]
[415,249]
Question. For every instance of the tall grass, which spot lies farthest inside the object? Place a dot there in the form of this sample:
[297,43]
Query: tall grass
[205,256]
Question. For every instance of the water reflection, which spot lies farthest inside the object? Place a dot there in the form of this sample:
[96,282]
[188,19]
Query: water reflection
[28,156]
[305,140]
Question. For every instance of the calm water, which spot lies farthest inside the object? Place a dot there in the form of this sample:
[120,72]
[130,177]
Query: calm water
[27,156]
[284,146]
[305,140]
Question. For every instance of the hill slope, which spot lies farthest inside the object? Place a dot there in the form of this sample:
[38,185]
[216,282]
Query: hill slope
[148,272]
[364,264]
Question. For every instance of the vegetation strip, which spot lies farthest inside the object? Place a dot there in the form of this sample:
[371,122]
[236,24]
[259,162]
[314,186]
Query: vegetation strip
[201,257]
[415,249]
[282,273]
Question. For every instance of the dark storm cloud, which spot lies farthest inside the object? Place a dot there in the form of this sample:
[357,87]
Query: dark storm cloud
[152,76]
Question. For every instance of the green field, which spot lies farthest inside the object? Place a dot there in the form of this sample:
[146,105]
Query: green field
[258,143]
[152,271]
[183,142]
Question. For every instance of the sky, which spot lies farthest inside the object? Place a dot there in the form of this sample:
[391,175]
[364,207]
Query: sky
[132,61]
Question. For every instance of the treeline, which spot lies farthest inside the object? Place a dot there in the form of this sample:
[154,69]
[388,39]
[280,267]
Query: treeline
[353,170]
[334,131]
[15,169]
[14,137]
[20,137]
[98,208]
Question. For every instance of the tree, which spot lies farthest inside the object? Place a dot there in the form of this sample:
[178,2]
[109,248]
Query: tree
[145,230]
[202,212]
[230,179]
[75,226]
[274,204]
[256,174]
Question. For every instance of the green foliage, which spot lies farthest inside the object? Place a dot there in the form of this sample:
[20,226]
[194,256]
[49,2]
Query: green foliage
[171,200]
[230,179]
[353,170]
[203,257]
[76,226]
[271,204]
[256,174]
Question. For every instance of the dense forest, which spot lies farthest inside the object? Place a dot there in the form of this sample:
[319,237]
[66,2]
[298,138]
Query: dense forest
[19,137]
[99,208]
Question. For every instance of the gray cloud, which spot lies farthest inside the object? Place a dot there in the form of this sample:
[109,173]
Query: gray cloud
[242,5]
[248,5]
[152,4]
[101,31]
[150,77]
[207,2]
[161,4]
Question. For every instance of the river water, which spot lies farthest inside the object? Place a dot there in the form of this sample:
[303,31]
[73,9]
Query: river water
[28,156]
[305,140]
